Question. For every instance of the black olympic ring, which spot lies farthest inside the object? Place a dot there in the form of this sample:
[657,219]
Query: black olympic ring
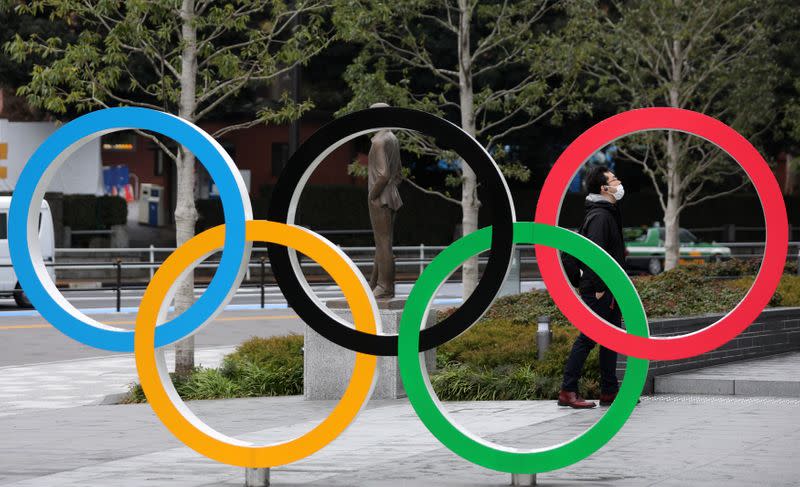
[301,165]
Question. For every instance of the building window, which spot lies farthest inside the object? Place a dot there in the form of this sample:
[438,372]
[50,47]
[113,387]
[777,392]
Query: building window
[122,141]
[280,156]
[3,226]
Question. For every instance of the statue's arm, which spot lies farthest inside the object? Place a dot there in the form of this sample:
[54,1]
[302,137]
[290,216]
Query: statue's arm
[382,171]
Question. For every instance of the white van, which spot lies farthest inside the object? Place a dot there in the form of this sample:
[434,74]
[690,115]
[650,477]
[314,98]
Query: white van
[9,286]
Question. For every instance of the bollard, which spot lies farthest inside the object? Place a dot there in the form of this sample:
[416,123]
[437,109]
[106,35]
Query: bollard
[256,477]
[152,261]
[119,285]
[421,258]
[523,479]
[263,259]
[543,336]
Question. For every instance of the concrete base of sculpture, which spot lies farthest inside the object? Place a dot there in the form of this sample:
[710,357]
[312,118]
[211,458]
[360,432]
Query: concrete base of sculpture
[327,367]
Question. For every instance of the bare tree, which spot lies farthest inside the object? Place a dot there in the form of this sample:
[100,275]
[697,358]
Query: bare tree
[496,66]
[710,56]
[187,57]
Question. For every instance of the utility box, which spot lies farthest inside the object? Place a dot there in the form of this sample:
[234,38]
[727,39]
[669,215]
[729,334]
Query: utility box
[151,205]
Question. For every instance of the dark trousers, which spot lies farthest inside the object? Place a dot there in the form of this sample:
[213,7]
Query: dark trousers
[607,309]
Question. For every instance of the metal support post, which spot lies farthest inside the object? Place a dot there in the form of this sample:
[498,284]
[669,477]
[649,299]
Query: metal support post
[543,336]
[421,257]
[119,284]
[525,479]
[263,277]
[256,477]
[152,261]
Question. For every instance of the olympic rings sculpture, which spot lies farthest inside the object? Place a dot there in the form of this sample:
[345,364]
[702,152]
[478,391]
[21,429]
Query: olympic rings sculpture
[284,238]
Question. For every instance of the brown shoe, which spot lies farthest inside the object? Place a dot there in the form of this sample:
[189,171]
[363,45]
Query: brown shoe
[573,400]
[607,399]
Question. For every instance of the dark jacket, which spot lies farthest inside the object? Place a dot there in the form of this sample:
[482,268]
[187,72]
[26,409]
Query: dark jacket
[605,229]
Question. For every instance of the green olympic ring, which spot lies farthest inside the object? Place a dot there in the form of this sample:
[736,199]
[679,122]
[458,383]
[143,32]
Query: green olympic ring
[469,446]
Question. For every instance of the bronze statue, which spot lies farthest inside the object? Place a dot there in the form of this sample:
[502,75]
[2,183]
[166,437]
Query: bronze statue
[384,200]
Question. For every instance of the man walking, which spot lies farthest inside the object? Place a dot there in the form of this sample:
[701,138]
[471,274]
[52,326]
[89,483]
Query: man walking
[602,225]
[384,177]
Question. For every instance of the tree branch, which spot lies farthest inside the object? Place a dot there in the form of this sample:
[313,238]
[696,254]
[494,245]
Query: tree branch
[687,204]
[432,192]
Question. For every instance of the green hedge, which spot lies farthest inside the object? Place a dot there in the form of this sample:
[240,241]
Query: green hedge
[88,212]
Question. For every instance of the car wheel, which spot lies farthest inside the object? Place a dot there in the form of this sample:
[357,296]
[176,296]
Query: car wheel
[654,266]
[21,299]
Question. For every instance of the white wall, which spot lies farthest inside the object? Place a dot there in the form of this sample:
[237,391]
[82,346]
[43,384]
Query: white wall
[82,172]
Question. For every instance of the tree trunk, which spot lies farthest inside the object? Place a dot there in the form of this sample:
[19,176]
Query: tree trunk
[672,213]
[674,183]
[469,185]
[185,211]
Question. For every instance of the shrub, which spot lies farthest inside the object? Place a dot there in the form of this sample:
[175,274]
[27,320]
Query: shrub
[258,367]
[269,352]
[788,293]
[491,343]
[686,291]
[463,383]
[89,212]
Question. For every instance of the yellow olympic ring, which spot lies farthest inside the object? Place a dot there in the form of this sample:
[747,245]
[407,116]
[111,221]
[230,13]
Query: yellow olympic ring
[171,409]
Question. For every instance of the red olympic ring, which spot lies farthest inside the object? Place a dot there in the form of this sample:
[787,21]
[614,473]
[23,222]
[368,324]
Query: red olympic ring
[776,223]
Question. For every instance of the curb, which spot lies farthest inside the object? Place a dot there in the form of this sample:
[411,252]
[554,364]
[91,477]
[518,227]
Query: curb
[678,384]
[111,399]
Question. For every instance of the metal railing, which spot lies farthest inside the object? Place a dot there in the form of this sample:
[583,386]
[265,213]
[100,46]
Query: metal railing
[410,262]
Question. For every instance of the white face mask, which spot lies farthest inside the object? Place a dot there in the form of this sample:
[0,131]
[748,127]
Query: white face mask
[619,193]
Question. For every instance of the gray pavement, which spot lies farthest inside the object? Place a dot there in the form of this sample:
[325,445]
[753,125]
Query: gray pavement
[777,376]
[70,383]
[27,340]
[669,440]
[51,433]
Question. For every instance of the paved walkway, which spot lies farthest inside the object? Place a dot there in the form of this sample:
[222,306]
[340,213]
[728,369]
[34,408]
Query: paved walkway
[669,441]
[777,376]
[71,383]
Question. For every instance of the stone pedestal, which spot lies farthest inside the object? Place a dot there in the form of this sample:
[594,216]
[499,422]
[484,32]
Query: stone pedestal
[327,367]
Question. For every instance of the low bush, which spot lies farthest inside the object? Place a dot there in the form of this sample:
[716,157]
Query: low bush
[268,352]
[788,293]
[258,367]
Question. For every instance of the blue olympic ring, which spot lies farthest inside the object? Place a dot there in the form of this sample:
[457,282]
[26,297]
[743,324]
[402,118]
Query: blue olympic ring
[25,206]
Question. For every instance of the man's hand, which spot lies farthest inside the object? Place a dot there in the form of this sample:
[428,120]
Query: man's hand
[599,295]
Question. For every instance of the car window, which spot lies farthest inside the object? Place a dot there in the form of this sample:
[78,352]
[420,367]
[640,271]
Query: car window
[687,237]
[3,226]
[636,234]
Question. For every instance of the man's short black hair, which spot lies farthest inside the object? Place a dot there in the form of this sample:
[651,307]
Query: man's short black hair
[595,178]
